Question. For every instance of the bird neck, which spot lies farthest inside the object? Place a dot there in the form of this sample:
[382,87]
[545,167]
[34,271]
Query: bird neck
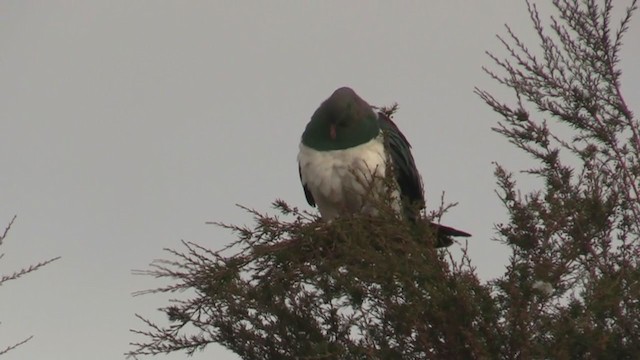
[317,134]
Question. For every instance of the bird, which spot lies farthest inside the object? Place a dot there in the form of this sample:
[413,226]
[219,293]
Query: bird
[346,149]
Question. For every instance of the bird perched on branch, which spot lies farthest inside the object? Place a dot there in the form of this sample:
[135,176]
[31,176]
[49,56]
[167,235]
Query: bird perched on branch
[346,150]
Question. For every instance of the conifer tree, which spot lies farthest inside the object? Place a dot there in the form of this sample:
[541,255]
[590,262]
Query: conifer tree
[363,287]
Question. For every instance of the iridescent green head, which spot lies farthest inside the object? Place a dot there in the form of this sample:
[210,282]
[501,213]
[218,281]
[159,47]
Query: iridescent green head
[342,121]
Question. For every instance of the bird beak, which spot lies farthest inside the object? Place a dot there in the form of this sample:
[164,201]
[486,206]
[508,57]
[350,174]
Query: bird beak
[332,131]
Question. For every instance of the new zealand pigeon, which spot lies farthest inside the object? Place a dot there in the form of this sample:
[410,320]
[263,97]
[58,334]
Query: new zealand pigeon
[345,147]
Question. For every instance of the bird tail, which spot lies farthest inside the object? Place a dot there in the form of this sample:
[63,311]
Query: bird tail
[445,234]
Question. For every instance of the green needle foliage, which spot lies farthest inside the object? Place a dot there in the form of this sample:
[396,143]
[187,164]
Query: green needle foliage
[360,287]
[578,235]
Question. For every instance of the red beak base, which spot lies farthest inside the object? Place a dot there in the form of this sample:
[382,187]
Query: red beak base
[332,131]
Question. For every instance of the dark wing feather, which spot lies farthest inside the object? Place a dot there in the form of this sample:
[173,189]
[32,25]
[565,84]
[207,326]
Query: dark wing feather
[404,167]
[409,180]
[307,193]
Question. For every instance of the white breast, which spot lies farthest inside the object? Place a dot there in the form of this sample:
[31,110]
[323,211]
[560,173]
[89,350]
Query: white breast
[338,179]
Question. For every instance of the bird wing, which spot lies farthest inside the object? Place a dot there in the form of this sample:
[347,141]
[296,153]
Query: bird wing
[404,167]
[307,193]
[409,180]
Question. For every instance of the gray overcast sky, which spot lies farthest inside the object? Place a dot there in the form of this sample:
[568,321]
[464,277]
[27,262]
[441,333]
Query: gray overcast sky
[125,125]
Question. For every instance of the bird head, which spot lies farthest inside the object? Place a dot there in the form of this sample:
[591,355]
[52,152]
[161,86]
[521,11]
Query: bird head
[342,121]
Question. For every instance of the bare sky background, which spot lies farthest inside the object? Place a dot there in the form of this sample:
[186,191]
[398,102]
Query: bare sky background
[125,125]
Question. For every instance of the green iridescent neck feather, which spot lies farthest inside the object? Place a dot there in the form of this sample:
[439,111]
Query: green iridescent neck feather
[342,121]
